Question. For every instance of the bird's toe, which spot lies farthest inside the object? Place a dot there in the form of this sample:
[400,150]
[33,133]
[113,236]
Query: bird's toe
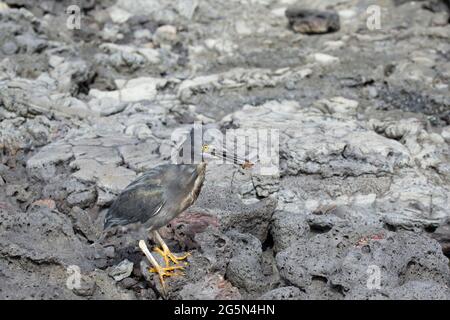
[170,257]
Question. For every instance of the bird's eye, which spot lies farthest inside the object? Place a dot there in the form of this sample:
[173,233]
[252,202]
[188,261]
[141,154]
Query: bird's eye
[205,148]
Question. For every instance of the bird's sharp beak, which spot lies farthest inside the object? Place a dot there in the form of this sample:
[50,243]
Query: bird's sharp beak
[213,153]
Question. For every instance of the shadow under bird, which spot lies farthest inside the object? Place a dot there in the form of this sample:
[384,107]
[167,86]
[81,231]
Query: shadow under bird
[161,194]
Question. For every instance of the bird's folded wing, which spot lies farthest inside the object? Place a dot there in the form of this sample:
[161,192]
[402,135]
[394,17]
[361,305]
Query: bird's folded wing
[137,203]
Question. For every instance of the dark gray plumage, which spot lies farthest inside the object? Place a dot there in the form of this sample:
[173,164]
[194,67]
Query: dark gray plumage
[158,196]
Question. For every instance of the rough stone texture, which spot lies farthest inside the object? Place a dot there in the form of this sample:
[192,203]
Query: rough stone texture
[421,290]
[133,90]
[43,165]
[343,261]
[287,228]
[213,287]
[42,236]
[217,248]
[245,267]
[122,270]
[204,277]
[234,214]
[284,293]
[442,235]
[305,151]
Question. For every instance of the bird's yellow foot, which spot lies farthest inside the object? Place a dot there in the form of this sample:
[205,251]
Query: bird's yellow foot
[165,272]
[169,256]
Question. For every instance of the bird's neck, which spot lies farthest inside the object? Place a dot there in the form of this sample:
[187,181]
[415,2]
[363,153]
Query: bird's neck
[198,183]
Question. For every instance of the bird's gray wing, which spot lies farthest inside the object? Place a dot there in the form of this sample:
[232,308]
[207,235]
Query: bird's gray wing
[141,200]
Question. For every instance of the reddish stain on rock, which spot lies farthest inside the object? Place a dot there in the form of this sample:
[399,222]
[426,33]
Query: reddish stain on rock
[184,228]
[365,240]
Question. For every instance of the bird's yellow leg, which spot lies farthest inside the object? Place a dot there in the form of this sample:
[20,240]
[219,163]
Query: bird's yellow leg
[161,271]
[166,254]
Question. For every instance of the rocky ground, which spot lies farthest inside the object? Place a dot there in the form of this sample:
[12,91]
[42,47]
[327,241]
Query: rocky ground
[363,117]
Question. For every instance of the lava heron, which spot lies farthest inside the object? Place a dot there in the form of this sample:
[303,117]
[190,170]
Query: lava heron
[161,194]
